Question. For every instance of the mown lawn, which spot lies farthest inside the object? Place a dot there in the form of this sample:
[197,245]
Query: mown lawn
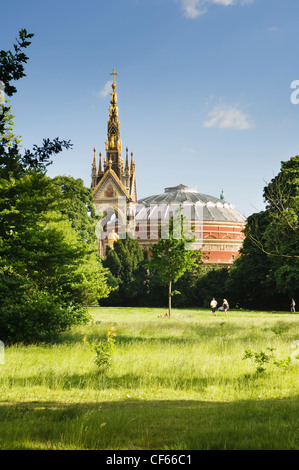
[178,384]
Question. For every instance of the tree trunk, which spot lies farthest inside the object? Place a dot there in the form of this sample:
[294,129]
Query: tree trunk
[169,299]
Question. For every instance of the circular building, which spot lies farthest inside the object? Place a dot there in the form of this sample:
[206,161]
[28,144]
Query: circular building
[217,225]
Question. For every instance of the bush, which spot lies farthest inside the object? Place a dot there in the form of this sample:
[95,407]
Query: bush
[104,350]
[38,316]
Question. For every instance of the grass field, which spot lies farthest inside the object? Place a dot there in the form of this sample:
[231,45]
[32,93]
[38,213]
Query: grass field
[178,384]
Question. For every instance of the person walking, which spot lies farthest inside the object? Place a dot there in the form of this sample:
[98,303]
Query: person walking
[225,306]
[213,305]
[293,303]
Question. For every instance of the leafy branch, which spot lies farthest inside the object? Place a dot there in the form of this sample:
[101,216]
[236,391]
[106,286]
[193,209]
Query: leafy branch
[262,358]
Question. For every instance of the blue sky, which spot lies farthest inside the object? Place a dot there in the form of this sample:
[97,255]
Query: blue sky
[204,88]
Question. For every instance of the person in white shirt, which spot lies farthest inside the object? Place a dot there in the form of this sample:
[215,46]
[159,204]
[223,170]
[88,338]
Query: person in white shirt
[213,305]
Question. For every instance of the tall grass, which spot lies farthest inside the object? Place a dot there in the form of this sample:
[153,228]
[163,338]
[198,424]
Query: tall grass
[181,383]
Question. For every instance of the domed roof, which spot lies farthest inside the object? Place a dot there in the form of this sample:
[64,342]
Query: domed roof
[204,207]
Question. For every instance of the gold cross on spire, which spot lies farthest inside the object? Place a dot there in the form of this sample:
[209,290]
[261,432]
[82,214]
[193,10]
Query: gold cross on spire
[114,73]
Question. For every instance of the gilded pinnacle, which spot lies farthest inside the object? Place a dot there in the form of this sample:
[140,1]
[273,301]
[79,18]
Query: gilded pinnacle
[94,157]
[114,84]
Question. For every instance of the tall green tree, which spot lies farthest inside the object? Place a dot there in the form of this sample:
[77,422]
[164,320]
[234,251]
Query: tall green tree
[48,273]
[8,129]
[127,264]
[267,272]
[171,257]
[250,282]
[76,202]
[279,239]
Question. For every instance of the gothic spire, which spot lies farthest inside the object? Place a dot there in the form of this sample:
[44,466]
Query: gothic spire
[94,170]
[127,168]
[94,163]
[113,142]
[113,167]
[100,172]
[132,164]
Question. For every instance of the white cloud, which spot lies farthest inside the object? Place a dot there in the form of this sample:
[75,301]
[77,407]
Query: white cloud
[194,8]
[188,150]
[106,90]
[224,2]
[272,29]
[228,117]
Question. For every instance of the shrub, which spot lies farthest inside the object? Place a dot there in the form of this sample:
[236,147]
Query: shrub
[104,350]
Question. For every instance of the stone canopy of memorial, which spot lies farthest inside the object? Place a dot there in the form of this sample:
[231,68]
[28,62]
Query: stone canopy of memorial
[217,225]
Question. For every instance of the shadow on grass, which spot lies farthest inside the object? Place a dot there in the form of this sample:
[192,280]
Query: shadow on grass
[139,424]
[148,380]
[176,333]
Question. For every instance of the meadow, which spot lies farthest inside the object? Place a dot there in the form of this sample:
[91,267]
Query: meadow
[175,384]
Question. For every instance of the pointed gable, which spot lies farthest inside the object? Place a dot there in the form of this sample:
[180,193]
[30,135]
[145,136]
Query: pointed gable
[110,187]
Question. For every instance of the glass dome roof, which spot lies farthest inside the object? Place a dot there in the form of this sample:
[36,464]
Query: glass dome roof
[207,207]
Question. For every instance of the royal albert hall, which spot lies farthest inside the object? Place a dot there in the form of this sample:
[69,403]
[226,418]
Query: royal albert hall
[217,226]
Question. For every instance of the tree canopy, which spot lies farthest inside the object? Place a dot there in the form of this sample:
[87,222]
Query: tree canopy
[171,257]
[267,272]
[127,265]
[49,264]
